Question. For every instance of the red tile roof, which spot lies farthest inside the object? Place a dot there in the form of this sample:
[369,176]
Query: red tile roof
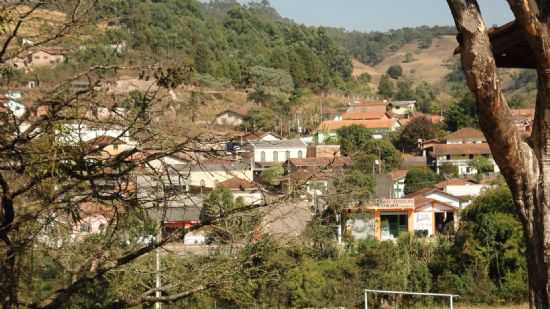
[461,149]
[466,133]
[369,124]
[377,115]
[104,140]
[454,182]
[237,183]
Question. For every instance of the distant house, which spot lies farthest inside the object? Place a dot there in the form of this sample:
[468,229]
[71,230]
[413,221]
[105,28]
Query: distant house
[462,187]
[210,173]
[317,164]
[109,146]
[391,185]
[435,211]
[268,153]
[459,149]
[39,57]
[424,213]
[523,119]
[380,128]
[323,151]
[376,115]
[230,118]
[368,106]
[247,191]
[402,108]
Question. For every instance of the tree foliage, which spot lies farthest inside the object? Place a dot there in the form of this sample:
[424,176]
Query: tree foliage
[419,178]
[419,128]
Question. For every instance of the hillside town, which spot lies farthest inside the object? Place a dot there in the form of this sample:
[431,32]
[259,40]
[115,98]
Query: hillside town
[216,154]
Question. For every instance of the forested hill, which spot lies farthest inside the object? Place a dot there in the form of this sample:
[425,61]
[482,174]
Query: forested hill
[223,40]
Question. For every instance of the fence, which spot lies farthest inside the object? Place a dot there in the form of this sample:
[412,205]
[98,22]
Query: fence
[367,291]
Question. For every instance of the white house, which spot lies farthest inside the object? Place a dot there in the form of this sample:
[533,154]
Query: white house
[402,108]
[210,173]
[229,118]
[267,153]
[434,211]
[247,191]
[74,133]
[459,149]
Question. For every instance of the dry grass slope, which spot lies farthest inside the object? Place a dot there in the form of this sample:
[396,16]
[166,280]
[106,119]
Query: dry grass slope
[428,64]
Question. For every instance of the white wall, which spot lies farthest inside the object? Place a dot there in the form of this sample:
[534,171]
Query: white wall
[444,199]
[466,190]
[281,154]
[211,179]
[249,198]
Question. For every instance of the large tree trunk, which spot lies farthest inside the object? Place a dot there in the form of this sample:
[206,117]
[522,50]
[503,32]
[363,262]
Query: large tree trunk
[8,277]
[525,166]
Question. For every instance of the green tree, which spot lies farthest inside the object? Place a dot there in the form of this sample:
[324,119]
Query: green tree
[482,165]
[353,139]
[353,186]
[395,71]
[419,178]
[384,150]
[260,119]
[270,85]
[386,87]
[425,96]
[404,90]
[271,175]
[419,128]
[462,114]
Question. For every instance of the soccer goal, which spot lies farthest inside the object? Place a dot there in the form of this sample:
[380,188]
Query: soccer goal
[451,297]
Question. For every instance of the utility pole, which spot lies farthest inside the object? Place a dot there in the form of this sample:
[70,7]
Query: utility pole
[158,283]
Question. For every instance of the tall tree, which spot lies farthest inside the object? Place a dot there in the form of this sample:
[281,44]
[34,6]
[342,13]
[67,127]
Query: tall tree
[525,166]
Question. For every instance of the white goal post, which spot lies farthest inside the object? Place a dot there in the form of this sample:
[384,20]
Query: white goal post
[367,291]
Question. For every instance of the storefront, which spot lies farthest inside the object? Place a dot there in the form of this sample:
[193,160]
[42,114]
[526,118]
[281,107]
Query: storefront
[386,219]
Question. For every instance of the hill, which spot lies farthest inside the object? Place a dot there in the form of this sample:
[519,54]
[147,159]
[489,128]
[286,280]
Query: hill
[428,64]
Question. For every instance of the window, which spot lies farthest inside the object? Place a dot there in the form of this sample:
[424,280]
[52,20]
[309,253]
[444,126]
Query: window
[275,156]
[471,157]
[262,156]
[448,157]
[300,154]
[287,154]
[85,227]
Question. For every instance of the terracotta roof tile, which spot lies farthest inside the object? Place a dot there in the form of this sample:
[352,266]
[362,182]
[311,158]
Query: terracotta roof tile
[461,149]
[454,182]
[376,115]
[237,183]
[466,133]
[369,124]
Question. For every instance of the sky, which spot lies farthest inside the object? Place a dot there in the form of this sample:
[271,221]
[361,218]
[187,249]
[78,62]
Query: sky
[381,15]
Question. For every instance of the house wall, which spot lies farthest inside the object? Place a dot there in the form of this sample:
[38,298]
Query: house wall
[465,141]
[41,58]
[229,119]
[249,198]
[211,178]
[94,222]
[294,153]
[444,199]
[467,190]
[403,110]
